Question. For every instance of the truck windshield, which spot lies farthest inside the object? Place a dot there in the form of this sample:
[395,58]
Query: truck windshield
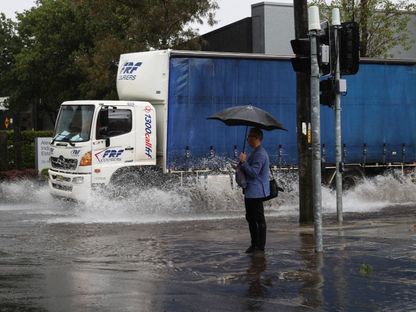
[74,123]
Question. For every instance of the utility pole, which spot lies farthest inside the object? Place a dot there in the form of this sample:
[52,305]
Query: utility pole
[336,23]
[303,122]
[314,27]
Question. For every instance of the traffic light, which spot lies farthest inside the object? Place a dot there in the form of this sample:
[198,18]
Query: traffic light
[327,92]
[302,48]
[326,48]
[349,48]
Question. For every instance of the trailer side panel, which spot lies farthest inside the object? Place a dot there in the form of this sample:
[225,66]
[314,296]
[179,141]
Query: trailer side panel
[201,86]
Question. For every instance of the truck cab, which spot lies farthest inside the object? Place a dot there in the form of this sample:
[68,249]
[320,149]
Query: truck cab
[93,140]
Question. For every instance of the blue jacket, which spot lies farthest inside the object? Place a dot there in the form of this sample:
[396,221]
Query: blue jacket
[257,169]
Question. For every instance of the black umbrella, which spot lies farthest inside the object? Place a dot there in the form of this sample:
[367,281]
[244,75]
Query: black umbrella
[249,116]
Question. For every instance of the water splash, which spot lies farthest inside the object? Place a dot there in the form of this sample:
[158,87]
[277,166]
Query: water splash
[210,197]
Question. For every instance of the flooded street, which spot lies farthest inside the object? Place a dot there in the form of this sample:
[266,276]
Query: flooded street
[183,250]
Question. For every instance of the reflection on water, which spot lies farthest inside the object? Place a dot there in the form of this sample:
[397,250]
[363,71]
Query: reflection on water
[257,285]
[311,289]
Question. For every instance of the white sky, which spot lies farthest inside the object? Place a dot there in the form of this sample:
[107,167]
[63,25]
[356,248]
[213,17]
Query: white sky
[229,11]
[9,7]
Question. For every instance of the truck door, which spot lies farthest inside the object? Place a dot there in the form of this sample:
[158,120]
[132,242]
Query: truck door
[114,141]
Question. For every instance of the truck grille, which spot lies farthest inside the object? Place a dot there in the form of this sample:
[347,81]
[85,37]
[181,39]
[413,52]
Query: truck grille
[60,178]
[62,187]
[63,163]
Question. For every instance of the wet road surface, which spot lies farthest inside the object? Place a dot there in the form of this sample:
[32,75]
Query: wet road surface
[60,256]
[200,266]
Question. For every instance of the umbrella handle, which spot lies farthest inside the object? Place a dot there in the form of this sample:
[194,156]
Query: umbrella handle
[245,140]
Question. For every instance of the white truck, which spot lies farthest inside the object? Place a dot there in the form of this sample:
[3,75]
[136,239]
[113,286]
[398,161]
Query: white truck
[160,120]
[95,140]
[83,156]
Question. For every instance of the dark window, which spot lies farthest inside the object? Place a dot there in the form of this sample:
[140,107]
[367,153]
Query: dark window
[119,122]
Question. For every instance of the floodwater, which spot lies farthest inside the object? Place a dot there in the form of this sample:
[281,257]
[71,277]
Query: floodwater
[183,250]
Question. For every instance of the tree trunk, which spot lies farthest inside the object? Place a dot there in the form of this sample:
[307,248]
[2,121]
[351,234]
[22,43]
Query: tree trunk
[364,27]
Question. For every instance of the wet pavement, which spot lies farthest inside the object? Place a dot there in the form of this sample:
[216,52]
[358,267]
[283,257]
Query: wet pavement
[183,250]
[369,264]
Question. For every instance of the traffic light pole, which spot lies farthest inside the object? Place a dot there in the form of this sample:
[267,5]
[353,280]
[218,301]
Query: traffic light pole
[316,128]
[338,152]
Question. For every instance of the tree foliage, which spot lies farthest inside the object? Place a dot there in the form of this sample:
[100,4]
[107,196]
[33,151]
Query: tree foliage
[52,35]
[10,46]
[383,23]
[121,26]
[69,49]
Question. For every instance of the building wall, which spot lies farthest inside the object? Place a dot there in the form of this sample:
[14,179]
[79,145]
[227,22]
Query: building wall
[257,20]
[276,27]
[272,28]
[236,37]
[398,52]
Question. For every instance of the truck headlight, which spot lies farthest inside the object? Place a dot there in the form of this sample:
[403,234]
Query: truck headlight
[78,180]
[86,159]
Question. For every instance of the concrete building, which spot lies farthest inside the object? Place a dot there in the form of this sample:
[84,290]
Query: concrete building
[269,30]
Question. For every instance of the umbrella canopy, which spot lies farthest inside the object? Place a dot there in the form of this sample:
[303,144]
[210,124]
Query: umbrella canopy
[248,115]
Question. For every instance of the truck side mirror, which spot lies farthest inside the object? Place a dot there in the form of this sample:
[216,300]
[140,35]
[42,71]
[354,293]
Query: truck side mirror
[107,142]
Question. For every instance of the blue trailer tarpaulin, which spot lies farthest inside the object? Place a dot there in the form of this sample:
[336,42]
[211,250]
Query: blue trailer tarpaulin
[379,109]
[200,87]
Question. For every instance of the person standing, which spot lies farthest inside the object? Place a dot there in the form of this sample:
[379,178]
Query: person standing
[256,169]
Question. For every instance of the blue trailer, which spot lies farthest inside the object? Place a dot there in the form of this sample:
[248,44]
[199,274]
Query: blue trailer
[378,112]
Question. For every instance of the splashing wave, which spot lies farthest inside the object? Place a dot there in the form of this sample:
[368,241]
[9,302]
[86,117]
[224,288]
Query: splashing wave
[210,197]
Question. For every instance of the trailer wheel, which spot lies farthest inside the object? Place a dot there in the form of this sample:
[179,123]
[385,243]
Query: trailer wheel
[351,178]
[348,182]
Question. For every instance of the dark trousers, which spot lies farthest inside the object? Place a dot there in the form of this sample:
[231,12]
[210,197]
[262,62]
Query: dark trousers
[256,221]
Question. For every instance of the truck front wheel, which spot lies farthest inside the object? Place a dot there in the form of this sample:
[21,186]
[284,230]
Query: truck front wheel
[132,179]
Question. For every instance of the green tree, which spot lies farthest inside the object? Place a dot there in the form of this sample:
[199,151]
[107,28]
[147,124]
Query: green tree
[383,23]
[10,46]
[46,69]
[122,26]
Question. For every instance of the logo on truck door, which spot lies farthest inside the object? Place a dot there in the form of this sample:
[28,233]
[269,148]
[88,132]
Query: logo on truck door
[128,70]
[113,154]
[148,146]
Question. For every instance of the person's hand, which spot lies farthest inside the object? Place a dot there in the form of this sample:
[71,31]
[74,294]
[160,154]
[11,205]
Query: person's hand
[243,157]
[234,163]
